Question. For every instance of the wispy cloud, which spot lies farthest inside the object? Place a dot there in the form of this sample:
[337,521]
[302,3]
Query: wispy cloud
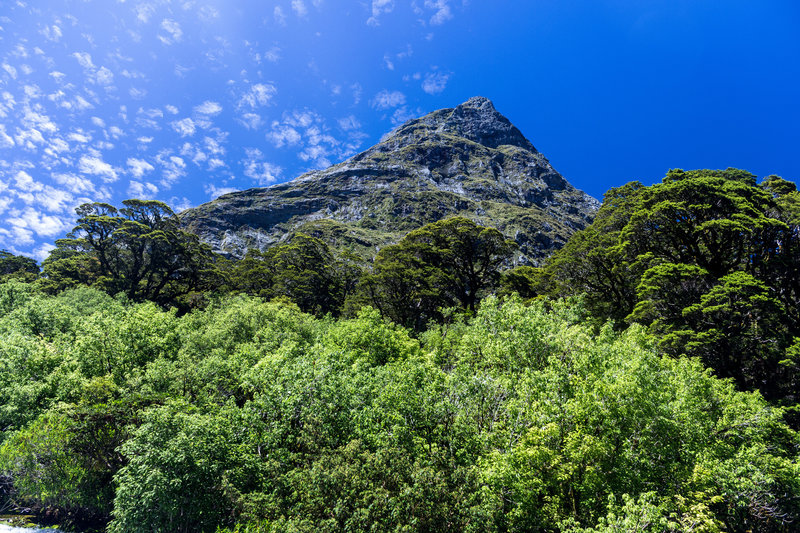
[388,99]
[214,192]
[139,167]
[186,127]
[251,121]
[144,11]
[379,7]
[256,168]
[97,167]
[443,12]
[142,190]
[209,108]
[299,7]
[258,95]
[173,30]
[78,185]
[173,168]
[51,33]
[435,82]
[279,16]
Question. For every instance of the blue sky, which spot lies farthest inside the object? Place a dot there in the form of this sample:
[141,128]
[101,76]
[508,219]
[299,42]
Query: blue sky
[184,100]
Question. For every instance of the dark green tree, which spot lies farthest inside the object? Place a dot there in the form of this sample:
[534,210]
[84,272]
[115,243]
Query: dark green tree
[707,259]
[138,250]
[17,267]
[450,262]
[305,270]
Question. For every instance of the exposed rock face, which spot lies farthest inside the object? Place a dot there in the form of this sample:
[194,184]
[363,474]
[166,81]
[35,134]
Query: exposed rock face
[469,161]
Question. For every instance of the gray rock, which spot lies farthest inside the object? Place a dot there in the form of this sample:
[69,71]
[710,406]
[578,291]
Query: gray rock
[469,161]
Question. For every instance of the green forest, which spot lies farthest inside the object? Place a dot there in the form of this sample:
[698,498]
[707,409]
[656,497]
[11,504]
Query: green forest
[644,378]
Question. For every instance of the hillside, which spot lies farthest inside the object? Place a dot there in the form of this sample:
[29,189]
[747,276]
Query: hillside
[469,161]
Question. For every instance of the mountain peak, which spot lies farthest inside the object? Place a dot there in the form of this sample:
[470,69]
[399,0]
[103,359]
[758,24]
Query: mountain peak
[476,120]
[464,161]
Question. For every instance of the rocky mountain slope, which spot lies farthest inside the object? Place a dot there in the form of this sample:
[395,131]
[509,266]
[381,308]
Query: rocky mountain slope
[469,161]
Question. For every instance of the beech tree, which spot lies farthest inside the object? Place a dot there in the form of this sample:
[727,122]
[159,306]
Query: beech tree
[450,262]
[17,267]
[708,260]
[305,270]
[139,250]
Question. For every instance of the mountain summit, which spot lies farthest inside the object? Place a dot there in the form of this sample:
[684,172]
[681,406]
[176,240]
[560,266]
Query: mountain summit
[469,160]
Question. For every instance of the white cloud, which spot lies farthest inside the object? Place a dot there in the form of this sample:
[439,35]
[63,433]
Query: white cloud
[273,54]
[386,99]
[279,16]
[180,203]
[32,119]
[144,12]
[379,7]
[403,114]
[6,141]
[51,33]
[97,167]
[79,136]
[139,167]
[443,12]
[173,29]
[349,123]
[99,122]
[186,127]
[41,253]
[104,77]
[259,170]
[283,135]
[208,108]
[31,221]
[215,192]
[54,200]
[357,92]
[29,138]
[142,190]
[171,109]
[137,94]
[74,183]
[249,120]
[25,183]
[84,59]
[11,70]
[307,132]
[435,82]
[81,104]
[299,8]
[173,168]
[258,95]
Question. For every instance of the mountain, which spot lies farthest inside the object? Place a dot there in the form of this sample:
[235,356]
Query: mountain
[469,161]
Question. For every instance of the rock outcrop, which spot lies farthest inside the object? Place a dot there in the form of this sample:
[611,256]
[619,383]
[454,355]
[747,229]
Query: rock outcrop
[469,161]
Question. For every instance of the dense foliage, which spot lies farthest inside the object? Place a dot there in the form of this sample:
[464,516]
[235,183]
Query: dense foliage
[709,261]
[149,385]
[520,418]
[138,250]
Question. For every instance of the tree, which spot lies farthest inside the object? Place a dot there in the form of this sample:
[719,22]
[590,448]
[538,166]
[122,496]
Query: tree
[450,262]
[707,259]
[304,270]
[138,250]
[17,267]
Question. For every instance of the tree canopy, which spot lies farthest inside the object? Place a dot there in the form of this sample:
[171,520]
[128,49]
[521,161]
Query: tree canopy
[138,250]
[708,260]
[450,262]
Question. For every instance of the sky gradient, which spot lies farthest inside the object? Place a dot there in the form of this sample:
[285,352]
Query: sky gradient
[182,101]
